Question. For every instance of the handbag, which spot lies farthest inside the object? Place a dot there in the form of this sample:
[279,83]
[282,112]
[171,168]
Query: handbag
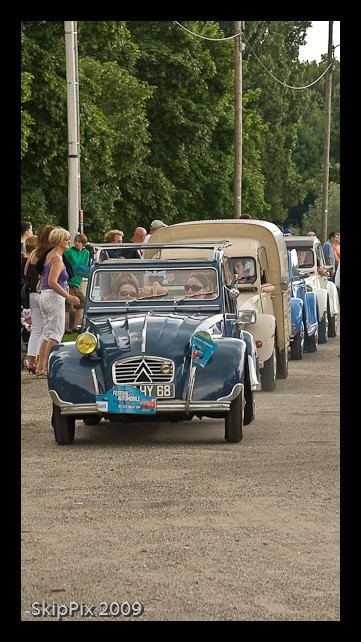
[25,292]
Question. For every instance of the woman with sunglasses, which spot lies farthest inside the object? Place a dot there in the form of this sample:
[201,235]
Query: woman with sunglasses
[198,286]
[127,288]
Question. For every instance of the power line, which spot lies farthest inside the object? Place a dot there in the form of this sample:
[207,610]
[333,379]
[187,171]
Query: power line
[205,37]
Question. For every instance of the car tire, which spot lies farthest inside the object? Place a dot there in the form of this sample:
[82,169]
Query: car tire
[64,427]
[91,420]
[297,345]
[268,373]
[282,364]
[323,329]
[311,342]
[332,325]
[249,413]
[234,421]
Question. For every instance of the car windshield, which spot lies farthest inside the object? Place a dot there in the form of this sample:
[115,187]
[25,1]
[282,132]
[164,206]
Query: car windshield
[146,284]
[245,269]
[305,258]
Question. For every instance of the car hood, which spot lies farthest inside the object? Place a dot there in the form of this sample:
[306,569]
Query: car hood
[150,333]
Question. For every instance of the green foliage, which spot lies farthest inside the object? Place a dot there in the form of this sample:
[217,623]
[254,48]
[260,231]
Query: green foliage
[26,120]
[312,218]
[157,123]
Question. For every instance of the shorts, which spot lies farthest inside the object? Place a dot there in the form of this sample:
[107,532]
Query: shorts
[75,291]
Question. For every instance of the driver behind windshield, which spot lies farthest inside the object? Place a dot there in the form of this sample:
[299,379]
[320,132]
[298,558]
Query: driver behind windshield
[198,286]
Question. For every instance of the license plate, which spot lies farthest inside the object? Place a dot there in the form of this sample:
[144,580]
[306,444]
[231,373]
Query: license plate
[159,390]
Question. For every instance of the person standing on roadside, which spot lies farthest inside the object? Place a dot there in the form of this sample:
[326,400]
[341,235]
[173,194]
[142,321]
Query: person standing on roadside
[139,235]
[77,255]
[31,272]
[329,254]
[337,280]
[155,225]
[30,245]
[336,249]
[114,236]
[26,231]
[54,293]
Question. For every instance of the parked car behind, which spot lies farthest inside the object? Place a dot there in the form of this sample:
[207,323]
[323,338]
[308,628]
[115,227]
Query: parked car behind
[156,345]
[266,291]
[304,314]
[313,268]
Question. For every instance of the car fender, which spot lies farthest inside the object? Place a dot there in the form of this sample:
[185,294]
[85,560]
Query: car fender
[69,373]
[321,294]
[253,360]
[264,330]
[310,311]
[333,298]
[296,314]
[224,370]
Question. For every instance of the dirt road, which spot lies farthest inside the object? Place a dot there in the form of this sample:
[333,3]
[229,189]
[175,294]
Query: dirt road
[174,518]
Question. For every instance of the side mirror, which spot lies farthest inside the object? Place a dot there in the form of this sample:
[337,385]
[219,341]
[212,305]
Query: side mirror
[247,316]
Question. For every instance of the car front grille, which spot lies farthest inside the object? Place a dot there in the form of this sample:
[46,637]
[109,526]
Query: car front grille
[137,370]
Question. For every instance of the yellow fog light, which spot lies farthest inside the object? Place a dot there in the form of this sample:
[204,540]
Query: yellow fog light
[86,343]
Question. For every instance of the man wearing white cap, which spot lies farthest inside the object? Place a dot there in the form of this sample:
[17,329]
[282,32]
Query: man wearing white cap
[155,225]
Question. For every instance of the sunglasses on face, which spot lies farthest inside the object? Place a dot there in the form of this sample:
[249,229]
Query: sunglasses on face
[193,288]
[125,293]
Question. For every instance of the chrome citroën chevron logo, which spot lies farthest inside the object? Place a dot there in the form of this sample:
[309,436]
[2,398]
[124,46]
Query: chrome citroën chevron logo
[143,373]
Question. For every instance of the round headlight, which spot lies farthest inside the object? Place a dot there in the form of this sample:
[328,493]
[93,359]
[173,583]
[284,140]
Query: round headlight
[86,343]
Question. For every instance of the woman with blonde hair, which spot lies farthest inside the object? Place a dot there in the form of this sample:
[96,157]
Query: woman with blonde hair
[54,292]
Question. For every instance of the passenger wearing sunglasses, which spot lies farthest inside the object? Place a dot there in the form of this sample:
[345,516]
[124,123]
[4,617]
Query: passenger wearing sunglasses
[127,288]
[198,286]
[127,291]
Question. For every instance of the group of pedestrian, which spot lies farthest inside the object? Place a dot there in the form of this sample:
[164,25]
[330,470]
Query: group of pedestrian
[48,276]
[54,272]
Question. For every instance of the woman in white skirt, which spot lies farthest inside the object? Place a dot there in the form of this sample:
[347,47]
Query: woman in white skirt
[54,292]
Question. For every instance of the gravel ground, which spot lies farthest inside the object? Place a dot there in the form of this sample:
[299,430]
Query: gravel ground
[172,517]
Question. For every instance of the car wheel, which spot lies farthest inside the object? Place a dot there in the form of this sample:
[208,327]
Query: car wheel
[234,421]
[249,413]
[297,344]
[268,373]
[332,326]
[323,329]
[64,427]
[91,420]
[311,342]
[282,364]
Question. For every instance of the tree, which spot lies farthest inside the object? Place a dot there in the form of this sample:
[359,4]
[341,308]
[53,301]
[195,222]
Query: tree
[312,218]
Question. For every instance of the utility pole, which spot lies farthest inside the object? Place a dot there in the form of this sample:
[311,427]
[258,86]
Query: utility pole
[81,220]
[73,127]
[238,121]
[327,136]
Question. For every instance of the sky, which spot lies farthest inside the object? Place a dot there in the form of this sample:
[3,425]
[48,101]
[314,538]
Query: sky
[317,41]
